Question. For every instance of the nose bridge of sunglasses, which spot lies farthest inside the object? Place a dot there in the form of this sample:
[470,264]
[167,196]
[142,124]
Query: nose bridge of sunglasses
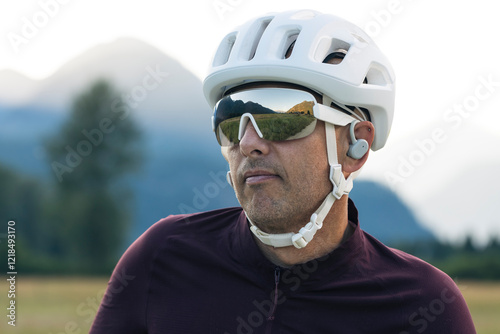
[243,125]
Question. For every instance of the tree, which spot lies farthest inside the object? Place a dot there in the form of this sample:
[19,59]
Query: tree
[95,149]
[21,201]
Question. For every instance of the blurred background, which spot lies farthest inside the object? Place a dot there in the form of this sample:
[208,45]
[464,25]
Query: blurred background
[104,130]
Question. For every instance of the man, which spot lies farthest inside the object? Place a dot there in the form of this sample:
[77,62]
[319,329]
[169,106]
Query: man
[299,98]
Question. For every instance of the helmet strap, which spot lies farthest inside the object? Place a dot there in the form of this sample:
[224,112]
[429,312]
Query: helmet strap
[341,186]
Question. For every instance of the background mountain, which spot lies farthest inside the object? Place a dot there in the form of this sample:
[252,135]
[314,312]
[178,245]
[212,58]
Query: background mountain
[183,170]
[16,88]
[384,215]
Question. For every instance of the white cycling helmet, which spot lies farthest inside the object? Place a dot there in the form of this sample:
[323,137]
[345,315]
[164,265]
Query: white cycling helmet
[294,48]
[257,51]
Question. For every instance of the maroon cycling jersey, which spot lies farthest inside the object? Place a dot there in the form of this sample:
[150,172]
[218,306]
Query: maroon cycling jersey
[204,273]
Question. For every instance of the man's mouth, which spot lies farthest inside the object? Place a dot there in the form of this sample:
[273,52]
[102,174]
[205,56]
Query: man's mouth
[258,176]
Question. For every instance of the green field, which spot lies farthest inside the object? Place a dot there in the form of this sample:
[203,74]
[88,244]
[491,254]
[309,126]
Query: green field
[483,299]
[54,305]
[68,305]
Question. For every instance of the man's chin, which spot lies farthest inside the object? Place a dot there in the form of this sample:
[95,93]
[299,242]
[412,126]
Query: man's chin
[269,221]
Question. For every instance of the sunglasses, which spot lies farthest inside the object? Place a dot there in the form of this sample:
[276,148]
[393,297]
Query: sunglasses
[277,114]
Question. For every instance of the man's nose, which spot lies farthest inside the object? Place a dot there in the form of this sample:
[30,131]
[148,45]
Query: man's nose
[251,143]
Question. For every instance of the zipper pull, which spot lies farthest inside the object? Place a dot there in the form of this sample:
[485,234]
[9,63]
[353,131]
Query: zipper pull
[277,275]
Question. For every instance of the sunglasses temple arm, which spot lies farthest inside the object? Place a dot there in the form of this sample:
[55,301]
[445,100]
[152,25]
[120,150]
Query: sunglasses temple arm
[334,116]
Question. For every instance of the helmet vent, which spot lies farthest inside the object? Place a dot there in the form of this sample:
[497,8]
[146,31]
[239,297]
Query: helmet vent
[258,35]
[327,47]
[377,76]
[224,51]
[335,57]
[289,44]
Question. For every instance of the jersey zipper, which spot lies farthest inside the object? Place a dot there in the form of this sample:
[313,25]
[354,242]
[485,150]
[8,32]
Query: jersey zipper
[277,275]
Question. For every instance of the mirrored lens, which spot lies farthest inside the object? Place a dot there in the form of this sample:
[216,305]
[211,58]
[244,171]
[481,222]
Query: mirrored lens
[280,114]
[273,127]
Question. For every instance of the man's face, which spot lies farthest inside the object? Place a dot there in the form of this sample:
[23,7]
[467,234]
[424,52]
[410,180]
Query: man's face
[280,184]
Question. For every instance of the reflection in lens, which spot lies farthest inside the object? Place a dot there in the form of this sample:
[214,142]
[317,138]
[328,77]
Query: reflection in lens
[280,114]
[274,127]
[227,133]
[283,126]
[305,108]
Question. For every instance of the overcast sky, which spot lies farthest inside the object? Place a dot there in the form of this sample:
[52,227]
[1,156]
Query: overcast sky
[438,48]
[445,54]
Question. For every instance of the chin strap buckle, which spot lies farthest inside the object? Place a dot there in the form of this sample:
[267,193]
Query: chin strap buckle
[306,233]
[341,186]
[299,240]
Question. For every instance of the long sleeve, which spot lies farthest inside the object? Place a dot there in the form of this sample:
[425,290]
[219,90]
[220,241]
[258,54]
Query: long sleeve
[124,306]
